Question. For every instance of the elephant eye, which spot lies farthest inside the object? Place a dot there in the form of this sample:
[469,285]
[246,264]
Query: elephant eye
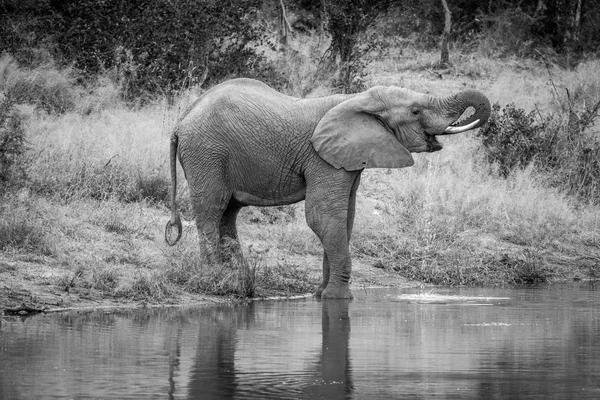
[416,111]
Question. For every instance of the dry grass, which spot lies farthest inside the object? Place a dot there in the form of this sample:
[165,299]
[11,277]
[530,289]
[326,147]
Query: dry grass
[45,86]
[117,154]
[249,276]
[98,175]
[447,220]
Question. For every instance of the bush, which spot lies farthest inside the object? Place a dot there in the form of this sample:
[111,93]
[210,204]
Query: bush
[156,46]
[512,138]
[560,146]
[508,32]
[160,46]
[347,22]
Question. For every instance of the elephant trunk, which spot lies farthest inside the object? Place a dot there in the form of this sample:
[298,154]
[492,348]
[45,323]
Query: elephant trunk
[458,107]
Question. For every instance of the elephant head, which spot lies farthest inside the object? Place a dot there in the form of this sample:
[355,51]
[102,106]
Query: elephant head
[380,127]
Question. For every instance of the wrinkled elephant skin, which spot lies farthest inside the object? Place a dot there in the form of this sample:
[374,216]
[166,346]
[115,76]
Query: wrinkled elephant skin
[242,143]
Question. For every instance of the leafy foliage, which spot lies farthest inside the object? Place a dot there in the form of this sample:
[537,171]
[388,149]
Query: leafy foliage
[512,138]
[164,44]
[156,46]
[560,146]
[161,46]
[347,21]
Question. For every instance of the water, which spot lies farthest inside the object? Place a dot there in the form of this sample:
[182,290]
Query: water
[539,343]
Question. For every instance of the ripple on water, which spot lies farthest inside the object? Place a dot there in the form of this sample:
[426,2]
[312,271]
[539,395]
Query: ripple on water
[524,343]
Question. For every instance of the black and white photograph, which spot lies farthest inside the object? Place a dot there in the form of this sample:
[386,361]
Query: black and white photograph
[299,199]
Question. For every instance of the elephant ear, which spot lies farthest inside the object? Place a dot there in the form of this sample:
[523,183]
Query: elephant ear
[350,136]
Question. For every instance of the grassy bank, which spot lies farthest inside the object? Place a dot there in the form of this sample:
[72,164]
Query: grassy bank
[84,223]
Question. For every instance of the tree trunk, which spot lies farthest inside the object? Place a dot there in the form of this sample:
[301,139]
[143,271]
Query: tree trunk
[445,58]
[576,23]
[284,25]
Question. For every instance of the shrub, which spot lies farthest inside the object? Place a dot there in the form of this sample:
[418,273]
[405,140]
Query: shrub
[561,147]
[159,46]
[512,138]
[508,32]
[347,22]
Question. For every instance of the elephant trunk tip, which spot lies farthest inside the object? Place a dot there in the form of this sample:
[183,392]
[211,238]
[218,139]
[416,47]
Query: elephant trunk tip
[474,108]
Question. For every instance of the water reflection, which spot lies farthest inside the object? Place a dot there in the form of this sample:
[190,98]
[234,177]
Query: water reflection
[267,362]
[213,373]
[334,363]
[543,343]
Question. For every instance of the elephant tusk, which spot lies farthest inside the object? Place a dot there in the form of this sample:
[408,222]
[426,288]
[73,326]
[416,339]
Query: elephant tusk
[459,129]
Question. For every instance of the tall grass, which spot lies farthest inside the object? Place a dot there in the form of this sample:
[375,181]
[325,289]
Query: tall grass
[87,144]
[25,225]
[12,143]
[446,220]
[249,276]
[45,86]
[118,155]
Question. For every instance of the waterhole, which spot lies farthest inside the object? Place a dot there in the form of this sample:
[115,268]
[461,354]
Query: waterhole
[541,342]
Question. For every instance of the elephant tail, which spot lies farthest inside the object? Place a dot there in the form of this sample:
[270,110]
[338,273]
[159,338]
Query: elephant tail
[175,221]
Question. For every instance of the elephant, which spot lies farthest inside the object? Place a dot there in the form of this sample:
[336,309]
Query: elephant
[243,143]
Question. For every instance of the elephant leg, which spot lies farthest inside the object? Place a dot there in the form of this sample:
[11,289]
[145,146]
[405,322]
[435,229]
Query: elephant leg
[325,276]
[349,225]
[331,229]
[330,214]
[209,200]
[352,207]
[229,241]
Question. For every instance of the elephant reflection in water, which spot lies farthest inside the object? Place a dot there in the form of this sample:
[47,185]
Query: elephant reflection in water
[336,372]
[214,374]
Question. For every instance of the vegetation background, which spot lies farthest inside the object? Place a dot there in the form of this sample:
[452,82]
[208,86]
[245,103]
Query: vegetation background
[90,91]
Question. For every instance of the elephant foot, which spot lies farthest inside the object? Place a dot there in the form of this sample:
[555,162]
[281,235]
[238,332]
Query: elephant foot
[336,292]
[320,289]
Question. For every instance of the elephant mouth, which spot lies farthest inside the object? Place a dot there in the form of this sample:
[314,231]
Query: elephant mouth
[432,143]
